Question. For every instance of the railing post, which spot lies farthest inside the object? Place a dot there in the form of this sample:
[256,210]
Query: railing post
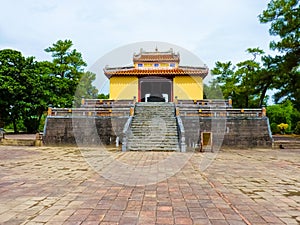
[263,112]
[82,101]
[176,100]
[181,133]
[125,134]
[49,110]
[131,112]
[177,111]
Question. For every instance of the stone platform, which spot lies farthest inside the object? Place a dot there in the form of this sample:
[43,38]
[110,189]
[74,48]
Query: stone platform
[55,185]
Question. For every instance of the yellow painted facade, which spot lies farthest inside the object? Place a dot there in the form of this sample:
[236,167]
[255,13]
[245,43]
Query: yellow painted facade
[188,87]
[123,87]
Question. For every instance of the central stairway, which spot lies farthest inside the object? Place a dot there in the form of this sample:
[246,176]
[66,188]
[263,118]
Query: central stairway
[153,128]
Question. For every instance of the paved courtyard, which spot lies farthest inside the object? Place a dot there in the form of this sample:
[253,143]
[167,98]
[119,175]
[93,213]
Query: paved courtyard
[55,185]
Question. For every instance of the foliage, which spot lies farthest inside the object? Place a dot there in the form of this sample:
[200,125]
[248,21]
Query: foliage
[284,19]
[297,128]
[66,71]
[28,87]
[246,82]
[283,113]
[103,96]
[274,128]
[283,127]
[212,90]
[16,79]
[85,88]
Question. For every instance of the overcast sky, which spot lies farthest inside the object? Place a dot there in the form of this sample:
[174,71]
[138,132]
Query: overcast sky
[219,30]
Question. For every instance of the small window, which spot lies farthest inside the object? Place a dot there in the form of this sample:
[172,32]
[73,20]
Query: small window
[172,64]
[156,65]
[140,65]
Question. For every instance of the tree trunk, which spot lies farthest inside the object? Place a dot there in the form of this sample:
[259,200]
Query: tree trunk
[15,126]
[263,95]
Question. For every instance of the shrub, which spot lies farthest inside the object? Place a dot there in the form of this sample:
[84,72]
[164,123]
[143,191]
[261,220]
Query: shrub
[274,128]
[297,128]
[283,127]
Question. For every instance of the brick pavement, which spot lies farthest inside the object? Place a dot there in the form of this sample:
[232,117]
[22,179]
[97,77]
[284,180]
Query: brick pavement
[57,186]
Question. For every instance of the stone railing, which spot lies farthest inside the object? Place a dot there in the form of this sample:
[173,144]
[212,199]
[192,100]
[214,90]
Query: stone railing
[126,130]
[181,134]
[99,111]
[205,103]
[86,103]
[125,133]
[219,112]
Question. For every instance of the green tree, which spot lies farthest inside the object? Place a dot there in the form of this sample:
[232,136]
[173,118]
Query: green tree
[284,19]
[27,87]
[85,88]
[13,81]
[212,90]
[67,69]
[247,82]
[281,113]
[226,79]
[24,94]
[103,96]
[39,95]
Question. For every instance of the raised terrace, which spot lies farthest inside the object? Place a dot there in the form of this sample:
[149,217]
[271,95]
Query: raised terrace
[103,121]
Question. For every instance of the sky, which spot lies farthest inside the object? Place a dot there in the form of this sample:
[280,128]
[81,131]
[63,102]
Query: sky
[219,30]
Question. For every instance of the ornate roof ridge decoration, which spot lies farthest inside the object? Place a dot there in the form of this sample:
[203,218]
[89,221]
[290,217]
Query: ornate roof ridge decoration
[156,56]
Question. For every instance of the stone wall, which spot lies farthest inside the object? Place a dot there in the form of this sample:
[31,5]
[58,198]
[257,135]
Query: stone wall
[230,132]
[233,132]
[83,130]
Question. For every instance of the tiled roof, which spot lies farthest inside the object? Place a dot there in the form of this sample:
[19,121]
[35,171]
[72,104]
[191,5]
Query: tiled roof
[181,70]
[168,56]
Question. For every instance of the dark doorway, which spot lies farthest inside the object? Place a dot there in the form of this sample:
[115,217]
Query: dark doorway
[155,89]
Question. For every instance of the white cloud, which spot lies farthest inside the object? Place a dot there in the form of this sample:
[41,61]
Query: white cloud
[214,30]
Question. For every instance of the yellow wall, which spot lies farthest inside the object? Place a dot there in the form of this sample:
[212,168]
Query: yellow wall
[123,87]
[188,87]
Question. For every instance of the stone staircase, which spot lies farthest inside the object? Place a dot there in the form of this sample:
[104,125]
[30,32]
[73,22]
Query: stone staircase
[153,128]
[17,142]
[286,142]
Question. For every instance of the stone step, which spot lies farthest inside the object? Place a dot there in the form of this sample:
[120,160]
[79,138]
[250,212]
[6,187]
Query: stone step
[151,134]
[18,142]
[154,144]
[153,128]
[153,148]
[143,116]
[151,121]
[156,128]
[286,145]
[152,141]
[141,134]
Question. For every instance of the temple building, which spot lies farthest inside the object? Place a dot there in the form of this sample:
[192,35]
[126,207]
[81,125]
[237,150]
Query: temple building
[156,77]
[157,105]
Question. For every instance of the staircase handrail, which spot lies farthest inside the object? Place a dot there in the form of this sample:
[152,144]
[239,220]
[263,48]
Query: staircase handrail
[181,134]
[126,130]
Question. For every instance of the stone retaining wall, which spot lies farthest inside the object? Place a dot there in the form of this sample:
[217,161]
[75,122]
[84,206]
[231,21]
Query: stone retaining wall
[230,132]
[83,130]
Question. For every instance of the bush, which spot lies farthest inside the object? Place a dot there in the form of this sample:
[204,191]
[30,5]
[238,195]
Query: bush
[283,127]
[297,128]
[274,128]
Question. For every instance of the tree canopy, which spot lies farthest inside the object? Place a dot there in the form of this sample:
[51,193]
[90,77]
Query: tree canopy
[247,82]
[284,19]
[28,87]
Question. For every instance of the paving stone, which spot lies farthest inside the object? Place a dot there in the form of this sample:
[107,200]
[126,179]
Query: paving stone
[56,185]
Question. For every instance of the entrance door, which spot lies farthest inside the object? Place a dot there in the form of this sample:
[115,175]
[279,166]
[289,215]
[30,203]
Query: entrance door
[155,89]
